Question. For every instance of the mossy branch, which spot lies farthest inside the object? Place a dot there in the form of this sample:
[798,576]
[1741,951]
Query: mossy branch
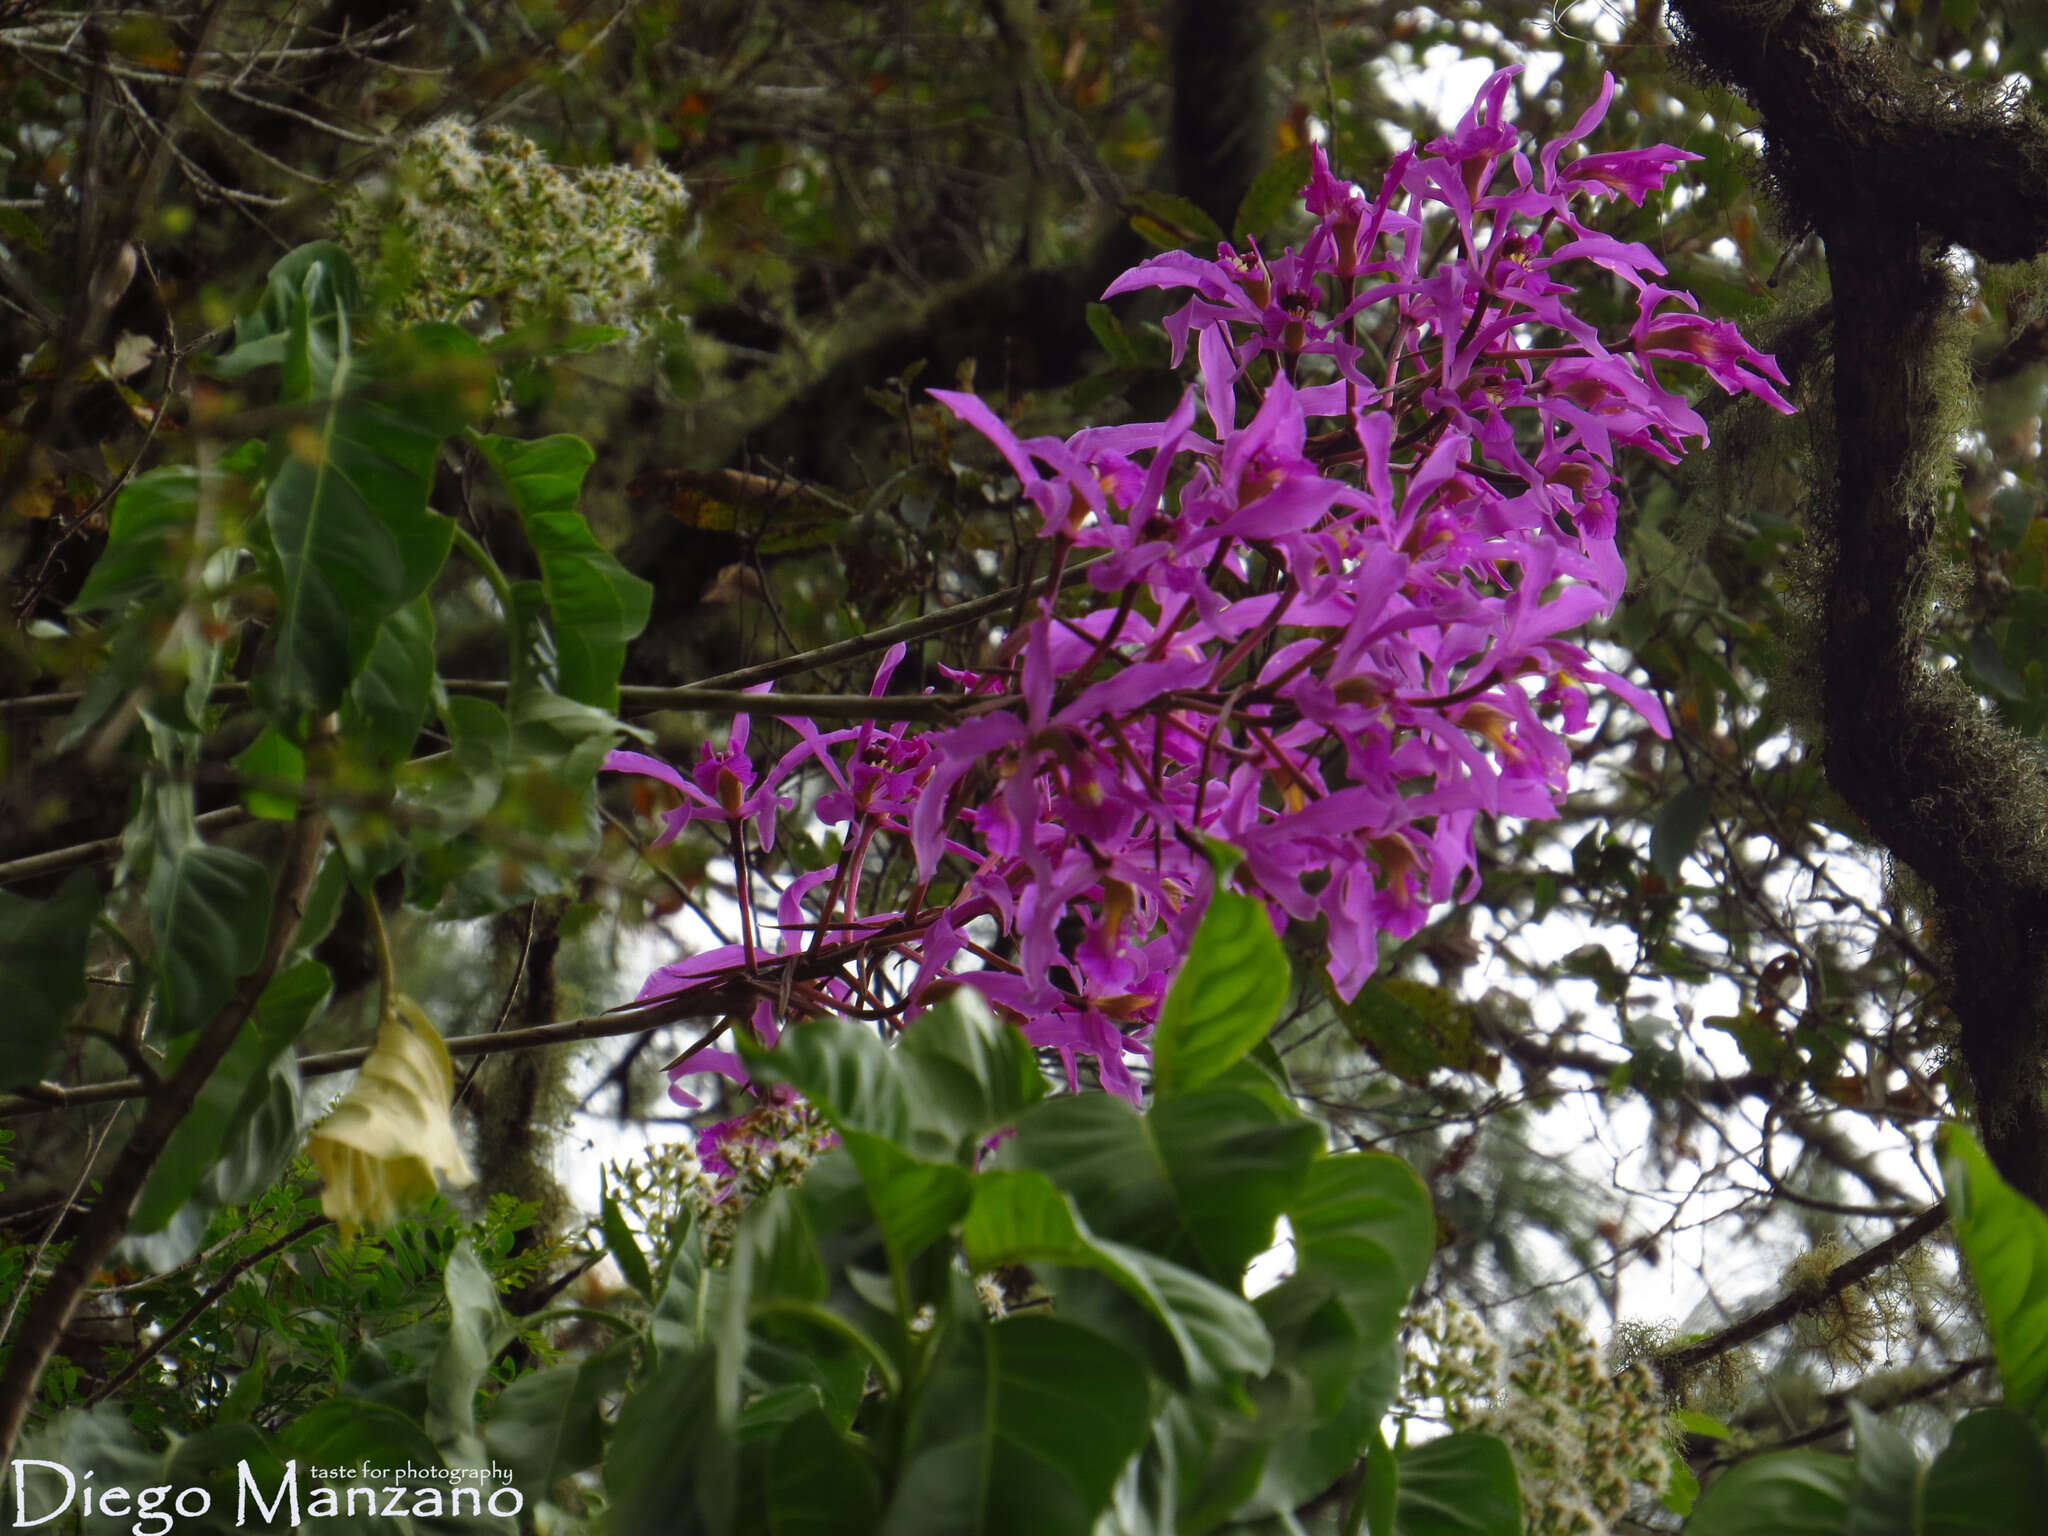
[1890,164]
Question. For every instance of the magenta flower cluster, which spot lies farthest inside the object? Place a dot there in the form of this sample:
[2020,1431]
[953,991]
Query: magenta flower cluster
[1334,589]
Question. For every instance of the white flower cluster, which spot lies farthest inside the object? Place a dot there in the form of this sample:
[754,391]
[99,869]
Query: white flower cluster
[1583,1438]
[479,226]
[768,1147]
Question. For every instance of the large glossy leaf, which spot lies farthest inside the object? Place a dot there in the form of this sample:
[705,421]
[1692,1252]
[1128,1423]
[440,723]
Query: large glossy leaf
[624,1247]
[273,772]
[1020,1216]
[818,1483]
[843,1069]
[1230,991]
[1886,1498]
[1991,1479]
[915,1202]
[477,1329]
[549,1424]
[1363,1237]
[1200,1180]
[969,1075]
[1382,1489]
[597,605]
[42,966]
[347,498]
[352,1432]
[462,786]
[669,1470]
[1792,1493]
[1021,1430]
[390,698]
[1314,1434]
[2004,1236]
[1461,1485]
[209,910]
[779,1251]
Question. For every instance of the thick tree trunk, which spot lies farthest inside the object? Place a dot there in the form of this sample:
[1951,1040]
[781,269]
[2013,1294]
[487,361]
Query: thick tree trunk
[1890,166]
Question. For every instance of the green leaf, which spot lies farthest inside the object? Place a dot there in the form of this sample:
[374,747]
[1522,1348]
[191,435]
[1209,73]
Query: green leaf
[534,663]
[624,1248]
[818,1483]
[477,1329]
[596,604]
[273,770]
[346,503]
[1021,1430]
[569,738]
[1363,1237]
[245,1123]
[1693,1422]
[317,277]
[391,696]
[1887,1494]
[1109,333]
[1381,1490]
[1229,992]
[155,514]
[1274,193]
[670,1468]
[1020,1216]
[1168,221]
[915,1202]
[209,912]
[1677,829]
[1461,1485]
[1792,1493]
[2012,513]
[1410,1027]
[968,1074]
[1201,1180]
[778,1251]
[42,969]
[549,1424]
[1991,1479]
[1310,1426]
[355,1432]
[1990,665]
[2004,1237]
[1364,1234]
[843,1069]
[1683,1491]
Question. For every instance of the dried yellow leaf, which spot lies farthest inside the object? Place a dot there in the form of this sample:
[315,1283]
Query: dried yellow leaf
[382,1149]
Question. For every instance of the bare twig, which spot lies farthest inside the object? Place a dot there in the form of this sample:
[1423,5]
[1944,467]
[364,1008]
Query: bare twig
[213,1293]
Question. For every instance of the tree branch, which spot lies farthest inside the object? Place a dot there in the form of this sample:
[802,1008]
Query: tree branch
[213,1293]
[1675,1363]
[168,1104]
[716,997]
